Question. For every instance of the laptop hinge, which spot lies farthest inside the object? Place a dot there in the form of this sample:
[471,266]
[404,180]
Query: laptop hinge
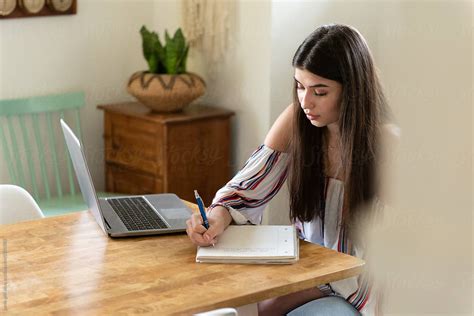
[106,223]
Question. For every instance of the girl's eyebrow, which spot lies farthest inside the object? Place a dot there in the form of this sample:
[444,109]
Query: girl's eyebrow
[319,85]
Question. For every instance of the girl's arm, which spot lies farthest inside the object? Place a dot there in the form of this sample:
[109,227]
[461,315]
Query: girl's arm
[245,196]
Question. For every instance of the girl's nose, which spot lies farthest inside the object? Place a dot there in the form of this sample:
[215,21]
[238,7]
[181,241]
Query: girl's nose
[306,101]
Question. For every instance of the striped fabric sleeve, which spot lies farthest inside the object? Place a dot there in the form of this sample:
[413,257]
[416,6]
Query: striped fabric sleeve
[260,179]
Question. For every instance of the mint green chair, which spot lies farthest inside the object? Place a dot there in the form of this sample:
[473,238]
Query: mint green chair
[34,149]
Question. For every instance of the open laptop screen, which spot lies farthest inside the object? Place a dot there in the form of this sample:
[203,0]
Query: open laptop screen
[82,173]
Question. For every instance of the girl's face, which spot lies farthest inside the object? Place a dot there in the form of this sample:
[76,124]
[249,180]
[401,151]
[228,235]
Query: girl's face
[320,98]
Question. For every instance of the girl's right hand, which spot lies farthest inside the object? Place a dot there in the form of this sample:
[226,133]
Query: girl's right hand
[218,219]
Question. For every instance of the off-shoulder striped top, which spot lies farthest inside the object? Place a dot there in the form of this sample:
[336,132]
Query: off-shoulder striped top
[250,190]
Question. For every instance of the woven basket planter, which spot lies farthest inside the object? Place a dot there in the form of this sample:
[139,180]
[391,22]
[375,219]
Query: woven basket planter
[165,93]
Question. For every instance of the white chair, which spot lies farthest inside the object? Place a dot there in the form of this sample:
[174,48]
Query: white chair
[220,312]
[17,205]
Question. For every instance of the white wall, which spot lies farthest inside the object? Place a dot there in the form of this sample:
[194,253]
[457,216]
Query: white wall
[166,15]
[242,81]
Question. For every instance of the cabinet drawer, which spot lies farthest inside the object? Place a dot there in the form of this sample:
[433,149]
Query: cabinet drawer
[123,180]
[134,144]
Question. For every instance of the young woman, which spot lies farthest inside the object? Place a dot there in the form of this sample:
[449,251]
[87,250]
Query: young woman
[327,145]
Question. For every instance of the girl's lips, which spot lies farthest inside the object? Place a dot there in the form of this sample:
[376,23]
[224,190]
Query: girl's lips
[312,117]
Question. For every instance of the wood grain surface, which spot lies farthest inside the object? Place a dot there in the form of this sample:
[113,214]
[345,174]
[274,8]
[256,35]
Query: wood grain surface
[66,265]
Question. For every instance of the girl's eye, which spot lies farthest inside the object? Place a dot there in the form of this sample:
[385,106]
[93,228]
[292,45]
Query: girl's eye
[319,94]
[299,87]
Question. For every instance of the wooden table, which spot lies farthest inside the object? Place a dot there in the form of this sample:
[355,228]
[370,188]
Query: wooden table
[66,265]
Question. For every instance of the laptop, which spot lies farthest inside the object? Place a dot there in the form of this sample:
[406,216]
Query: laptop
[125,216]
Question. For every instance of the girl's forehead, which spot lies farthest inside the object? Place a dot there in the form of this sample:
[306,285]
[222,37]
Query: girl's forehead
[308,78]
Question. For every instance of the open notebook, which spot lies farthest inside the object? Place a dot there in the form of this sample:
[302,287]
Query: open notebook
[262,244]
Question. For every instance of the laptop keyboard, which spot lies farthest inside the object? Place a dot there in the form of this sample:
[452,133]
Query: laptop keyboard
[136,214]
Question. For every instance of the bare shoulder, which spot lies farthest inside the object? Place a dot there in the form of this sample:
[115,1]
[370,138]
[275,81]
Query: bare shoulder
[278,138]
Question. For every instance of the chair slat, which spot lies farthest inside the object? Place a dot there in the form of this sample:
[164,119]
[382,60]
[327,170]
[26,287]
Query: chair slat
[39,146]
[16,153]
[78,124]
[7,155]
[52,143]
[29,156]
[42,104]
[69,167]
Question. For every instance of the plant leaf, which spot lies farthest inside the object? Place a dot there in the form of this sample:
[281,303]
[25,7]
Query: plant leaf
[181,67]
[149,41]
[180,50]
[180,42]
[153,64]
[160,53]
[171,54]
[169,58]
[167,37]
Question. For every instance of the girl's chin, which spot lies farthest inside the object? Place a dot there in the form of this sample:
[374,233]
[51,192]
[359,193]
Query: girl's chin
[317,123]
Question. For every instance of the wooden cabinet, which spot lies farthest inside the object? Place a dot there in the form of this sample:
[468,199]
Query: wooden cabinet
[147,152]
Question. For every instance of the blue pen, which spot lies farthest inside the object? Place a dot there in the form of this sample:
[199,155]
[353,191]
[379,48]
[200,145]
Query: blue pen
[201,209]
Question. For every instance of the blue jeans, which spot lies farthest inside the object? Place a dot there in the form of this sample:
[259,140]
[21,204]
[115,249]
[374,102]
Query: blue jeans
[325,306]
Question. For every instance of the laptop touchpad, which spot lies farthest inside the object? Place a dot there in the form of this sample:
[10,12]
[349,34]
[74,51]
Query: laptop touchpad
[175,213]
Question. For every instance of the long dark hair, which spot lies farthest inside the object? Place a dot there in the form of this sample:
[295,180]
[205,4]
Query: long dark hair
[340,53]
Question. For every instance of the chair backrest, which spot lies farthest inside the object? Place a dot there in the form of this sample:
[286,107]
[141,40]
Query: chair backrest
[32,143]
[228,311]
[17,205]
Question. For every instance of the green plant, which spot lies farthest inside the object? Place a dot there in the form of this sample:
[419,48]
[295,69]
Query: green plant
[168,59]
